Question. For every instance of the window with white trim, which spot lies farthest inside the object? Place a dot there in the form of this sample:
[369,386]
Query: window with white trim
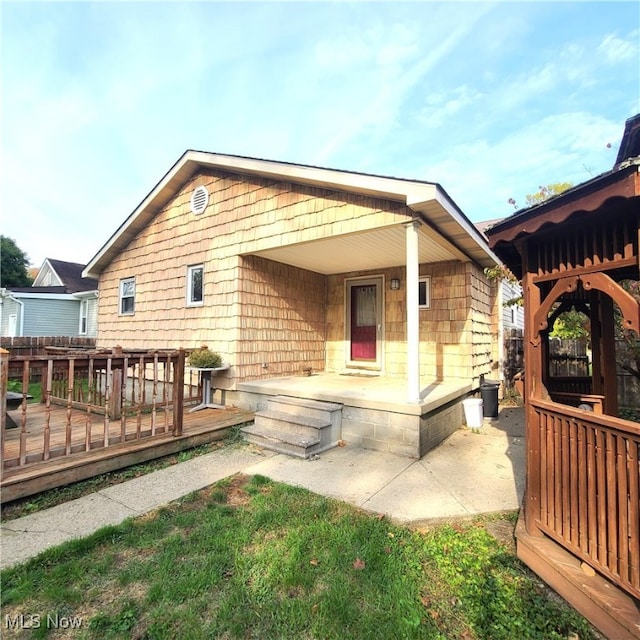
[195,285]
[127,296]
[424,292]
[84,317]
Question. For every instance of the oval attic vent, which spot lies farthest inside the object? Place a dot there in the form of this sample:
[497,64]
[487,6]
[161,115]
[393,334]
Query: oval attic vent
[199,200]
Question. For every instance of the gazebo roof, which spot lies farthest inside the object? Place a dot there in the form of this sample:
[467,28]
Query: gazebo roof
[604,192]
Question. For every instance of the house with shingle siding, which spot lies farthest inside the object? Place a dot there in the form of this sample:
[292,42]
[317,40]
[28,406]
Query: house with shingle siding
[374,284]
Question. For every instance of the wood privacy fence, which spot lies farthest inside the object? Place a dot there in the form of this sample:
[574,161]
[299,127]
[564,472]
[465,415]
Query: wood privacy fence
[584,474]
[570,368]
[92,400]
[569,358]
[39,346]
[513,356]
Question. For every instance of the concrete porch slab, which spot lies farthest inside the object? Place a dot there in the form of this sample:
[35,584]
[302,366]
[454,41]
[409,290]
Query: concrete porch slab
[365,391]
[375,414]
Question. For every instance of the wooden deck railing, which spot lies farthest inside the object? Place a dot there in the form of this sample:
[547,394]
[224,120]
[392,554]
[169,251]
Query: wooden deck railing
[587,488]
[104,397]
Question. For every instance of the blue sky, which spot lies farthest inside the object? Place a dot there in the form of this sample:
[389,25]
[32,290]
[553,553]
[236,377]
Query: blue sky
[491,100]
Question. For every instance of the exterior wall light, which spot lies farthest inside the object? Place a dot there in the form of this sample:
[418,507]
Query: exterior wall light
[395,284]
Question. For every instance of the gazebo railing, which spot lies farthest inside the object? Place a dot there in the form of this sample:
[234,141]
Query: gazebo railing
[586,487]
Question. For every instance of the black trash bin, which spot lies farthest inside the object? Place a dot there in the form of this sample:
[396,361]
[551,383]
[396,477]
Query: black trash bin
[489,394]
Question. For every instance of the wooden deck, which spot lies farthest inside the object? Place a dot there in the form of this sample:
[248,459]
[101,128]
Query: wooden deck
[77,444]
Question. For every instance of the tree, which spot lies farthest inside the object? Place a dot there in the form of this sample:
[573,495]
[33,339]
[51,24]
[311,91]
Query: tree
[543,193]
[628,341]
[571,325]
[13,264]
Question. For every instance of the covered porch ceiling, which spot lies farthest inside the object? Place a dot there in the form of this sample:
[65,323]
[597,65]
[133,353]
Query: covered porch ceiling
[369,250]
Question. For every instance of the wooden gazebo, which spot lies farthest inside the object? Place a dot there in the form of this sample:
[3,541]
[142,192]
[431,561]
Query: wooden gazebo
[580,529]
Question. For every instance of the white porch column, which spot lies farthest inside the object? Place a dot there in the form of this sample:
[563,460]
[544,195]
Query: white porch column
[413,315]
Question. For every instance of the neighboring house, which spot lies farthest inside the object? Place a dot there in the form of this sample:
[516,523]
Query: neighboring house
[512,315]
[60,302]
[511,319]
[284,267]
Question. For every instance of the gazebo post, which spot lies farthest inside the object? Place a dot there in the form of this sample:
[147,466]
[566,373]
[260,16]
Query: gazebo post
[597,386]
[532,381]
[609,368]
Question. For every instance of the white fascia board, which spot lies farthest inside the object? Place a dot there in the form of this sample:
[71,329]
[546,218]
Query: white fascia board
[80,295]
[460,220]
[379,186]
[138,217]
[42,296]
[187,165]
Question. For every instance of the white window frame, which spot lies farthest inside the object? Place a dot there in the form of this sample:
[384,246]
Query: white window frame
[426,282]
[84,317]
[124,283]
[190,272]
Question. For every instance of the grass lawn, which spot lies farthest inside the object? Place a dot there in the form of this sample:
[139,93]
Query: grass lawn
[252,558]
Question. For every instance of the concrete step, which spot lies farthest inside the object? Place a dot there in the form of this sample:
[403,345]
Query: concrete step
[281,421]
[295,444]
[303,406]
[297,426]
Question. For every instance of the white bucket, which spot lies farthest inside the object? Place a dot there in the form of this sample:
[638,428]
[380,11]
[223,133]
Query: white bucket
[473,412]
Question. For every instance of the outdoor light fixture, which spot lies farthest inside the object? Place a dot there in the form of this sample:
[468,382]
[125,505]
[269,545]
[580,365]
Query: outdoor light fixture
[395,284]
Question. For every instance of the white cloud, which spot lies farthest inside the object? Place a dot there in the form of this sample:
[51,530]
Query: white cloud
[441,107]
[481,176]
[616,49]
[382,100]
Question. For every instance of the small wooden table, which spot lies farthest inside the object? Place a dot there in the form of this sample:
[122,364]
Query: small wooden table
[14,400]
[207,375]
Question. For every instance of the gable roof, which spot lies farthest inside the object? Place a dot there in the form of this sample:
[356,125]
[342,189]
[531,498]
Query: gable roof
[485,225]
[69,276]
[630,145]
[425,198]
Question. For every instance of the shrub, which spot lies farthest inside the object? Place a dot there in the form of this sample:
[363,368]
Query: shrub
[202,358]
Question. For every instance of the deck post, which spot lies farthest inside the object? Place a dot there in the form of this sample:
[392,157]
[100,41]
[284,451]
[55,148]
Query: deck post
[4,380]
[178,393]
[413,314]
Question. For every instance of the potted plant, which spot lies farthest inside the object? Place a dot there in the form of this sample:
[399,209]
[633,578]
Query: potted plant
[202,358]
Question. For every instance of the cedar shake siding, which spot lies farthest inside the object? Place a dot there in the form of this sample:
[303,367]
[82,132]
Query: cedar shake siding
[244,215]
[455,332]
[282,319]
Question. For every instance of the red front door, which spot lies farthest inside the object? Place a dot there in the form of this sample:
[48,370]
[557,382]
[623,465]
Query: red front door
[364,322]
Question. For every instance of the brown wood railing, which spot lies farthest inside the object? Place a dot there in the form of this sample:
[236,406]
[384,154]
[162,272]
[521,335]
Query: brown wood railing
[94,400]
[588,489]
